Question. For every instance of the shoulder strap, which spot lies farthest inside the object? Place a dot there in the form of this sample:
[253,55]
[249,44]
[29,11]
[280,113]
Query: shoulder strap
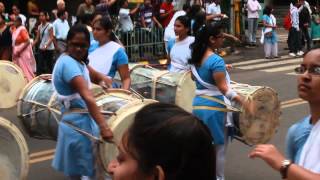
[42,33]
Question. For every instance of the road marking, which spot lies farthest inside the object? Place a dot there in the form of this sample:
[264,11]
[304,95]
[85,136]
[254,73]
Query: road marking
[279,69]
[41,153]
[293,104]
[286,57]
[291,101]
[41,159]
[267,64]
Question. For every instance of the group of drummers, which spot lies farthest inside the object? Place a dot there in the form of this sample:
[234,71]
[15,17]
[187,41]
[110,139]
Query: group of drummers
[165,141]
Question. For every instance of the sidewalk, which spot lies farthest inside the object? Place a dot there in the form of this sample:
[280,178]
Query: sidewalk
[258,52]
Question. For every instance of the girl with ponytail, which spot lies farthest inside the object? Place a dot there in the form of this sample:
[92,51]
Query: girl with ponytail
[213,87]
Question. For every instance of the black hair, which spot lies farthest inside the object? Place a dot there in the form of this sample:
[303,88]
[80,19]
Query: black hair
[3,17]
[186,7]
[199,21]
[166,135]
[106,23]
[267,10]
[60,13]
[194,10]
[185,21]
[46,14]
[201,43]
[18,18]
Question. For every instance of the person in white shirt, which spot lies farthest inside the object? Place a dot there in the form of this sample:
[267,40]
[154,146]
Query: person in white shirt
[16,11]
[253,7]
[214,11]
[126,25]
[61,28]
[179,51]
[169,31]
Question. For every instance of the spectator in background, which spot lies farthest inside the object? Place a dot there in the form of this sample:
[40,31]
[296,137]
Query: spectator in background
[16,12]
[103,7]
[269,36]
[304,24]
[166,12]
[253,8]
[5,40]
[33,13]
[315,26]
[305,4]
[294,37]
[148,18]
[214,11]
[61,29]
[126,25]
[45,36]
[85,8]
[3,12]
[61,6]
[22,49]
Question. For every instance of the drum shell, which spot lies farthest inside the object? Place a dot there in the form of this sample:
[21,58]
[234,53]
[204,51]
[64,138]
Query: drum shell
[161,85]
[14,153]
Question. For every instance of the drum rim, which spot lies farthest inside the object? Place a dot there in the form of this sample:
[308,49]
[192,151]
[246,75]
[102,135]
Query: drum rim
[135,105]
[276,111]
[20,72]
[177,100]
[22,143]
[24,92]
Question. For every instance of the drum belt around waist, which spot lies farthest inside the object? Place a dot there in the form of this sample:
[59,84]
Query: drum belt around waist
[228,108]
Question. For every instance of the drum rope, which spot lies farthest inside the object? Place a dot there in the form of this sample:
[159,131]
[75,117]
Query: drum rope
[154,82]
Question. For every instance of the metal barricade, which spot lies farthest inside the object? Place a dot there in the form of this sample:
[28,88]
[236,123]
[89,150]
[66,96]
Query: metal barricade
[143,44]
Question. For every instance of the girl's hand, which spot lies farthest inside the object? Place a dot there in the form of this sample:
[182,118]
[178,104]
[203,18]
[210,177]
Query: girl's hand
[106,133]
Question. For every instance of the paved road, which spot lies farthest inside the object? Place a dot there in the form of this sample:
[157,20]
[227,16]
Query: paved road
[276,74]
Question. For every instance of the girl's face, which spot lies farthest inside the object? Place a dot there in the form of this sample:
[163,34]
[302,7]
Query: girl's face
[78,47]
[42,17]
[125,167]
[217,41]
[180,29]
[99,33]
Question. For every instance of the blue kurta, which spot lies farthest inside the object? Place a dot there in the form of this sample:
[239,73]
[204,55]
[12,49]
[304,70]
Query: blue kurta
[297,136]
[272,39]
[74,152]
[215,120]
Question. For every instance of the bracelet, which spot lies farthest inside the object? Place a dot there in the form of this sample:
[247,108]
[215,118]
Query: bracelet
[231,94]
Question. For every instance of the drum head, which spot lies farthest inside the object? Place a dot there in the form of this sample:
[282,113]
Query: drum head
[12,82]
[14,157]
[125,106]
[261,127]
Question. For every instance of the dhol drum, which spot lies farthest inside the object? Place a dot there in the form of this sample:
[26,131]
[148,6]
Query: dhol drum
[162,85]
[40,113]
[12,82]
[263,123]
[14,158]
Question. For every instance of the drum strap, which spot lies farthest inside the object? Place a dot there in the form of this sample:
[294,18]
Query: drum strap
[86,111]
[154,82]
[228,108]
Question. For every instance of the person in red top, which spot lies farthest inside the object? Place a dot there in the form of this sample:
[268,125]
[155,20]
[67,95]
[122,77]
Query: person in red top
[166,12]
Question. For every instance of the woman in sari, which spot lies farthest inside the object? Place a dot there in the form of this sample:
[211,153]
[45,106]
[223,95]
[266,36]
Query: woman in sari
[22,49]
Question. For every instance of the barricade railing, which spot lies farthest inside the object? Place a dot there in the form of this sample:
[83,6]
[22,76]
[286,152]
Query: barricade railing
[143,44]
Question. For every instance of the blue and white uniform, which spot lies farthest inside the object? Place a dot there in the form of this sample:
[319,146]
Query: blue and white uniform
[107,58]
[180,53]
[74,152]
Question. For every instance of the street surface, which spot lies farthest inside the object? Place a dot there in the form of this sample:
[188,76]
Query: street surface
[248,68]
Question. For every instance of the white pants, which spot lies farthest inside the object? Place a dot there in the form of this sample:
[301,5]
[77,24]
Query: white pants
[220,157]
[271,49]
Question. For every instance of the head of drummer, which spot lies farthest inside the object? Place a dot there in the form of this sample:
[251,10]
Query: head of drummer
[309,78]
[165,142]
[78,42]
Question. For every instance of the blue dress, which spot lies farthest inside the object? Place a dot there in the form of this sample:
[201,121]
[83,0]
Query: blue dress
[215,120]
[297,136]
[74,152]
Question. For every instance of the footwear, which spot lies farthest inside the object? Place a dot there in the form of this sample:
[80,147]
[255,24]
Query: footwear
[276,57]
[292,54]
[268,57]
[300,53]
